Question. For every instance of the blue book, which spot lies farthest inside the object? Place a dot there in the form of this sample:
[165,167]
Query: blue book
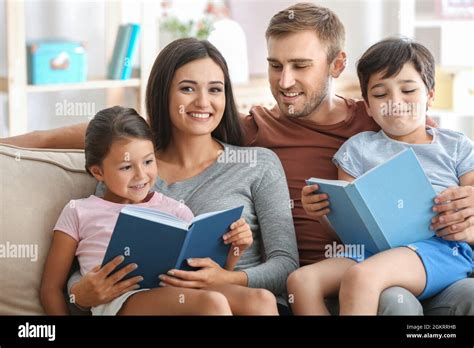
[117,63]
[131,52]
[158,242]
[388,206]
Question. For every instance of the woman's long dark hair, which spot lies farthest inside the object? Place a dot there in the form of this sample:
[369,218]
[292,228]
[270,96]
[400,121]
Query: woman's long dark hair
[170,59]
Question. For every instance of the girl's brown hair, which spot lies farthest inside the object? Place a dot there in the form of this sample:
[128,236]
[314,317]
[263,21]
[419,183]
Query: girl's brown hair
[110,125]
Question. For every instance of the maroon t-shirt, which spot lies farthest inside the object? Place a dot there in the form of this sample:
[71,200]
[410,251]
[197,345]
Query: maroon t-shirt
[305,150]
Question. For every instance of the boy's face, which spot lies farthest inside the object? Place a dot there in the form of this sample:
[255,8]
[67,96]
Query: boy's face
[128,171]
[298,72]
[398,103]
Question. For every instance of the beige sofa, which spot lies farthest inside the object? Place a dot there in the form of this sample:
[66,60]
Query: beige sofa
[35,185]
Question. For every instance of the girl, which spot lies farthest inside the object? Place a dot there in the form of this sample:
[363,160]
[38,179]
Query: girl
[120,153]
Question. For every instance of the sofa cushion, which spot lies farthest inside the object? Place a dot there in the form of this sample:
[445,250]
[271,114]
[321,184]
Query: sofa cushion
[35,185]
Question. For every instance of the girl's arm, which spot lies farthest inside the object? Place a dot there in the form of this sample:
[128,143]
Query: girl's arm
[56,270]
[241,238]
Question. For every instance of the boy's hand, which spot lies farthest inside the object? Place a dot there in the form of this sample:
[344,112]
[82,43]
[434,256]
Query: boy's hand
[315,205]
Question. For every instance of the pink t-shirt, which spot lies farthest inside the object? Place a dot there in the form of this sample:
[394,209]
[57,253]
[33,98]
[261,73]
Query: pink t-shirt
[91,221]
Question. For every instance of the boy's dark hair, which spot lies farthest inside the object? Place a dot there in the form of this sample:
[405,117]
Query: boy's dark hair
[108,126]
[171,58]
[390,55]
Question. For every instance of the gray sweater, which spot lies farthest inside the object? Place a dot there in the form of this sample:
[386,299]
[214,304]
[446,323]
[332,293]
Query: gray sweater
[252,177]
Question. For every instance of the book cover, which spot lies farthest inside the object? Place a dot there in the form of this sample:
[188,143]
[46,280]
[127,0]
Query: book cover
[389,206]
[158,242]
[131,52]
[116,64]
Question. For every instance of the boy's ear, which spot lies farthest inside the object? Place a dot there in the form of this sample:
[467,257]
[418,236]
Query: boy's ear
[367,109]
[431,98]
[97,172]
[338,64]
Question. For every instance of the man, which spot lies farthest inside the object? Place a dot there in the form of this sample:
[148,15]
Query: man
[305,53]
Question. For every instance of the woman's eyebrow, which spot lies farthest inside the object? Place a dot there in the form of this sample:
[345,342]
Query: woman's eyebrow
[195,83]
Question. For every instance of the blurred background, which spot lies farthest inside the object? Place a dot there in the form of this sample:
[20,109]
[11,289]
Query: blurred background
[60,60]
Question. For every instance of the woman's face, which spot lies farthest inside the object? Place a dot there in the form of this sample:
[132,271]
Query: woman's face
[197,98]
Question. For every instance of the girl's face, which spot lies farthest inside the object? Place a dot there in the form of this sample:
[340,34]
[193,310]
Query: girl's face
[197,98]
[398,103]
[129,171]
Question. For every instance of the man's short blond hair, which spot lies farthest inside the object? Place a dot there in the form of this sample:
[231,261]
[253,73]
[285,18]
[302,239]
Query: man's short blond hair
[307,16]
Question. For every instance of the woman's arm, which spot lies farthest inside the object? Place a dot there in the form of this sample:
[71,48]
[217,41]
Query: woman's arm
[58,263]
[279,250]
[70,137]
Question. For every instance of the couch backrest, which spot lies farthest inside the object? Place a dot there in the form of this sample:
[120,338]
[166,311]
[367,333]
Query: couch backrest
[35,185]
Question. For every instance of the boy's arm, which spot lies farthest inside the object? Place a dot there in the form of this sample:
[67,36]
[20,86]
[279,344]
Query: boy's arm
[341,175]
[56,269]
[70,137]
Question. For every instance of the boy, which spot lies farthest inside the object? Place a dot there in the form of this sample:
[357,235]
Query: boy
[397,82]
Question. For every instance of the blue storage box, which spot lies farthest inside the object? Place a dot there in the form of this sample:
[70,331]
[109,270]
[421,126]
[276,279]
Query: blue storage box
[56,61]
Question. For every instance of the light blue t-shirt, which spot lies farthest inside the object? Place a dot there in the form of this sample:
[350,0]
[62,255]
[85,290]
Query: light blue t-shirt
[448,157]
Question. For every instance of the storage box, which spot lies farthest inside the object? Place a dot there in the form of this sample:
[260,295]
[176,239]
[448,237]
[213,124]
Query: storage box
[56,61]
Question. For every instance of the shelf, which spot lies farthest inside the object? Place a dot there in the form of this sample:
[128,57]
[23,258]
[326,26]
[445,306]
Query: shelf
[92,84]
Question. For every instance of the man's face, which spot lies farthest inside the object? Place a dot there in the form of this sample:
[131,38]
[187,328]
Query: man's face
[298,72]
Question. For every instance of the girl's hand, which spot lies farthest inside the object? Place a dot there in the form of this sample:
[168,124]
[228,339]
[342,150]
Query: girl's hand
[315,205]
[98,286]
[240,235]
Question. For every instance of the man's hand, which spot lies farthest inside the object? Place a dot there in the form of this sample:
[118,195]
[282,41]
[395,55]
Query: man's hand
[455,219]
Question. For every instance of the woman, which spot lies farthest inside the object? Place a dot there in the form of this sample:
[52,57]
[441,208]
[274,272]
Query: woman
[194,119]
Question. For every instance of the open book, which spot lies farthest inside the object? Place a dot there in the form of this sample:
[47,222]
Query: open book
[388,206]
[157,241]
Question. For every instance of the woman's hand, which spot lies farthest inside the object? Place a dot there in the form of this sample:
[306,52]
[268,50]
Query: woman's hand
[455,220]
[98,286]
[209,274]
[315,205]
